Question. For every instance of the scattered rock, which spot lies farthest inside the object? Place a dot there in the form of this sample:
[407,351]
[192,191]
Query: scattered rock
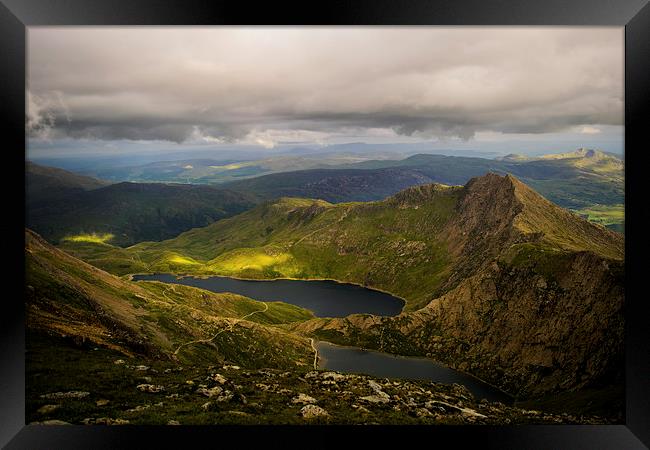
[333,376]
[313,411]
[102,402]
[303,399]
[209,392]
[206,405]
[104,421]
[150,388]
[173,422]
[51,422]
[190,382]
[47,409]
[225,397]
[64,395]
[219,378]
[379,397]
[231,367]
[374,399]
[118,361]
[138,408]
[142,368]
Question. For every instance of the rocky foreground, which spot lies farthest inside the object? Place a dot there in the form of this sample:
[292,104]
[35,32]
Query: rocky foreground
[109,391]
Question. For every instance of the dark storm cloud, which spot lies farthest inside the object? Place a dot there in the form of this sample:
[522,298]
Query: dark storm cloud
[263,85]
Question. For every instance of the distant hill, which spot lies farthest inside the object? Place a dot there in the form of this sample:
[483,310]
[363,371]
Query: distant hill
[213,171]
[44,183]
[126,213]
[333,185]
[494,276]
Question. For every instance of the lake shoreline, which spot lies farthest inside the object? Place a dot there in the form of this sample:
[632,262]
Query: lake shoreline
[512,398]
[324,298]
[130,276]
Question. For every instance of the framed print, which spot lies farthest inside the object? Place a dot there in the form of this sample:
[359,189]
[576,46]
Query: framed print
[361,220]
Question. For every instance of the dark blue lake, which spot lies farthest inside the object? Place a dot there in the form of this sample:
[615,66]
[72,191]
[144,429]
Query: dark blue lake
[384,365]
[323,298]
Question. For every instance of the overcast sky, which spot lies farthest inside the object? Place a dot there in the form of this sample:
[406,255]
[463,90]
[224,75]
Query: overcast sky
[478,86]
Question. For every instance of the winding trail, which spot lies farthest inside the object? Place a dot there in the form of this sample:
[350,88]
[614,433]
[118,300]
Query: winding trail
[230,327]
[311,341]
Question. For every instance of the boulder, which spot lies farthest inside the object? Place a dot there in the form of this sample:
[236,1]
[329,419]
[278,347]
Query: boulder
[209,392]
[303,399]
[47,409]
[312,412]
[150,388]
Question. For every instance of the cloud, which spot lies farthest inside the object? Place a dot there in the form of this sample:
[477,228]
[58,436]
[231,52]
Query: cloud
[589,130]
[271,85]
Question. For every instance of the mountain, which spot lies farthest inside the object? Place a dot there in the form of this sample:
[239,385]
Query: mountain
[126,213]
[45,183]
[479,266]
[104,350]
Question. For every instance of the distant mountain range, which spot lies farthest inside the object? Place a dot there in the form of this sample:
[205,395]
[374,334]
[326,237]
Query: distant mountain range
[62,203]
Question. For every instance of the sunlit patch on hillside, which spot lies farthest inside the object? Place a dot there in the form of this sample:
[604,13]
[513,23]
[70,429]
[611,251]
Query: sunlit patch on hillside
[229,166]
[95,238]
[603,214]
[177,259]
[248,259]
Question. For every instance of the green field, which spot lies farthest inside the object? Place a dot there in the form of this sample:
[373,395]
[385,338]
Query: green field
[611,216]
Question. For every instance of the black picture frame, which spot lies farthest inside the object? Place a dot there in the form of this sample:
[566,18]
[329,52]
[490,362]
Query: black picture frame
[634,15]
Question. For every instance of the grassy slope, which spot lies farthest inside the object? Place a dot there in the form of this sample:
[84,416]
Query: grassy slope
[69,297]
[379,244]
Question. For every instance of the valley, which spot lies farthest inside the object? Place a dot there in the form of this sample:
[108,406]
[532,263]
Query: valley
[478,265]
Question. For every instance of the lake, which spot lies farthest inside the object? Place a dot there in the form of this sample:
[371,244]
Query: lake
[384,365]
[323,298]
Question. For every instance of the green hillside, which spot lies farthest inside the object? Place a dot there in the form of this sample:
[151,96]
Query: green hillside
[132,212]
[70,298]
